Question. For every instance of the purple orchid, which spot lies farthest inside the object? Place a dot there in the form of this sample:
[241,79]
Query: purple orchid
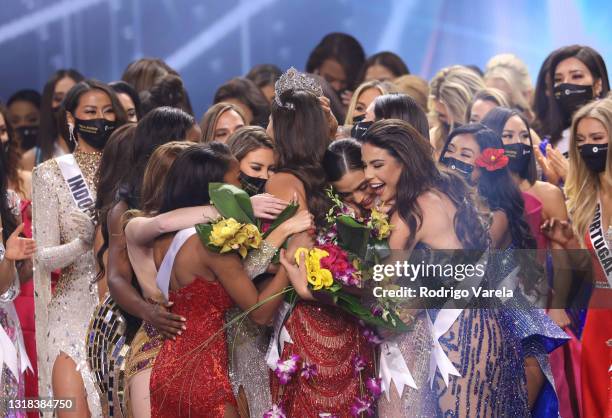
[359,363]
[309,370]
[362,406]
[286,369]
[275,412]
[372,337]
[374,386]
[376,310]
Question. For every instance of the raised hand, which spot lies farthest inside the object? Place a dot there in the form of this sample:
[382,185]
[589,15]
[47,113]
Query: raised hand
[558,231]
[331,119]
[547,169]
[268,207]
[18,248]
[297,274]
[300,222]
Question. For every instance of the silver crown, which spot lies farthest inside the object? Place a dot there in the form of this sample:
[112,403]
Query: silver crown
[292,79]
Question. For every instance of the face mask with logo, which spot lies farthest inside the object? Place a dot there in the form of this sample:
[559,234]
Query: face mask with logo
[571,97]
[519,156]
[95,131]
[594,156]
[252,185]
[27,135]
[359,129]
[460,167]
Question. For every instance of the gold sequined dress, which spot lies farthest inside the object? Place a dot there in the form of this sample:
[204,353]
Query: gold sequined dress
[62,318]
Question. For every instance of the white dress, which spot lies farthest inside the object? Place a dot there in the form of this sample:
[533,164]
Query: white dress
[62,318]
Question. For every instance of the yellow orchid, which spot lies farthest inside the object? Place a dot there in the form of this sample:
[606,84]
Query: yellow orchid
[231,235]
[318,277]
[379,221]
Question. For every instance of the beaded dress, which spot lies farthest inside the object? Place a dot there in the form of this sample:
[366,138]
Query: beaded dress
[62,318]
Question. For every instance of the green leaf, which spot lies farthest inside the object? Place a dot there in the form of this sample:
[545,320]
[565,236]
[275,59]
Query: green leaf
[204,231]
[352,235]
[287,213]
[232,202]
[377,249]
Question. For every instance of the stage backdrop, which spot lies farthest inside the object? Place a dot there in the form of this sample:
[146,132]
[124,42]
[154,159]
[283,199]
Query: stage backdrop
[209,42]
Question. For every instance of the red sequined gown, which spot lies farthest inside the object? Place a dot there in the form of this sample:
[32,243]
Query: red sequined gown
[329,338]
[190,375]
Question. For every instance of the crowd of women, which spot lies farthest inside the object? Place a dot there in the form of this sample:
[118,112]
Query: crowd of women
[111,300]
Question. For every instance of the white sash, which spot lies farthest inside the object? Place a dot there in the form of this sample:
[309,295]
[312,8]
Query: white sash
[165,269]
[73,176]
[393,367]
[600,246]
[280,336]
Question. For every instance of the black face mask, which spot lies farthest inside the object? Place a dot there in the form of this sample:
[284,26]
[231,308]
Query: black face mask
[252,185]
[460,167]
[95,131]
[27,135]
[359,129]
[519,156]
[571,97]
[594,156]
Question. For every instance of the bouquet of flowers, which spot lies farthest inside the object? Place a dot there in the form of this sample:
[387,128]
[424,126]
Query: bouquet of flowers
[237,230]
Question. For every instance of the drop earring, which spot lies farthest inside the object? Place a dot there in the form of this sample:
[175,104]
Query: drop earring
[71,132]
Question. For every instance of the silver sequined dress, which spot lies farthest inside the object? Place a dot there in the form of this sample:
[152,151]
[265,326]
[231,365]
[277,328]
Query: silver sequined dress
[62,318]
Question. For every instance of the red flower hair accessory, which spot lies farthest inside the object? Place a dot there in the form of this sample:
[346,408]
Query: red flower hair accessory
[492,159]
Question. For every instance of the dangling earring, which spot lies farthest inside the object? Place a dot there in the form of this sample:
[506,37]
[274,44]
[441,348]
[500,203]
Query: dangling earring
[71,132]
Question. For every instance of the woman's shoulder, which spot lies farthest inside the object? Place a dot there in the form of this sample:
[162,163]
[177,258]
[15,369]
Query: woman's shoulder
[46,171]
[283,182]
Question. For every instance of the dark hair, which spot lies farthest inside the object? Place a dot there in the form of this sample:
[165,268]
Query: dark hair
[496,187]
[342,156]
[551,120]
[73,97]
[114,166]
[9,221]
[496,120]
[125,88]
[388,60]
[336,105]
[301,138]
[50,126]
[149,77]
[340,47]
[264,75]
[186,183]
[501,193]
[247,139]
[13,155]
[25,95]
[475,68]
[489,94]
[245,91]
[420,174]
[401,106]
[161,125]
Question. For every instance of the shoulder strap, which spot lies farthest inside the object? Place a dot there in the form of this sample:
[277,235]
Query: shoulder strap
[165,269]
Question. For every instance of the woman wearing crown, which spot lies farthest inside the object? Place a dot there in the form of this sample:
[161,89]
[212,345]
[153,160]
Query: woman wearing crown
[322,337]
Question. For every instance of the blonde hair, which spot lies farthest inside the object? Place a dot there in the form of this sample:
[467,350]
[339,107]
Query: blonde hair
[582,184]
[453,86]
[510,69]
[211,117]
[382,86]
[415,87]
[153,180]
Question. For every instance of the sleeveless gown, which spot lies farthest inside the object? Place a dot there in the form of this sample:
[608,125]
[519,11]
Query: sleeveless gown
[190,375]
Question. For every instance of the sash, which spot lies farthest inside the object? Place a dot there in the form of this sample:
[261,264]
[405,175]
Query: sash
[280,336]
[165,269]
[73,176]
[601,246]
[444,321]
[393,367]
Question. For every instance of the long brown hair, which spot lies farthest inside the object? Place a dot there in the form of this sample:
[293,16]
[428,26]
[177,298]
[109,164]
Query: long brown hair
[13,155]
[209,121]
[420,174]
[301,138]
